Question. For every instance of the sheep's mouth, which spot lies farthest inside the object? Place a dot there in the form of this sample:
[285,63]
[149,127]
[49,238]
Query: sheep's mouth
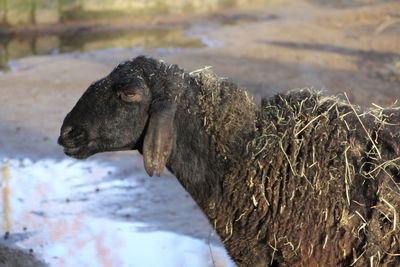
[81,152]
[77,152]
[85,151]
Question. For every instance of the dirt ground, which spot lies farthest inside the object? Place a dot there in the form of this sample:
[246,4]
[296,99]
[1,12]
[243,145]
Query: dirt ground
[349,46]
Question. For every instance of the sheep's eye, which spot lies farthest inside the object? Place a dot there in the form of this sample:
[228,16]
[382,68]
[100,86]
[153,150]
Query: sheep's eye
[129,96]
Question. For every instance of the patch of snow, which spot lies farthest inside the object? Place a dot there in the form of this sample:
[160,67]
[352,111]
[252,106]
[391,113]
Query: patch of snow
[48,201]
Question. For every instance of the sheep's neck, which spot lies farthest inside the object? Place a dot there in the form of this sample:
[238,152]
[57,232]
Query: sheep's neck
[212,129]
[194,160]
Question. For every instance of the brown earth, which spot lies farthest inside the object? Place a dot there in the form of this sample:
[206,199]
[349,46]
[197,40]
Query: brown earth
[351,46]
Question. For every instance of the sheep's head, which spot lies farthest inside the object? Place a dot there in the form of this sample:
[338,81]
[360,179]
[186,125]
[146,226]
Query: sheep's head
[125,110]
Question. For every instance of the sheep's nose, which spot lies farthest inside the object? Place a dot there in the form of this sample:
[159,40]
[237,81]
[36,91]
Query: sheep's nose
[66,131]
[71,133]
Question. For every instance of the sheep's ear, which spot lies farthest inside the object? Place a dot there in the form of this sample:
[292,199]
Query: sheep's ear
[159,137]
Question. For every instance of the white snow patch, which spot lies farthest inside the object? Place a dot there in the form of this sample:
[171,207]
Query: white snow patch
[48,198]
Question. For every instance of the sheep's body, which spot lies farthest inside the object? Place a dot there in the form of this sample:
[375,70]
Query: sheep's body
[300,180]
[313,182]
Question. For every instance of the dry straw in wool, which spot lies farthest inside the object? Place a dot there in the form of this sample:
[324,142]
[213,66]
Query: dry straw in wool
[317,174]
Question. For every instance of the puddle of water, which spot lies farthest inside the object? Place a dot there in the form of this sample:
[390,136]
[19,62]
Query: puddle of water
[49,201]
[238,18]
[23,46]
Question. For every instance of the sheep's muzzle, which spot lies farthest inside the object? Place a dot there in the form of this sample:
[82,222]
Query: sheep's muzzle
[74,140]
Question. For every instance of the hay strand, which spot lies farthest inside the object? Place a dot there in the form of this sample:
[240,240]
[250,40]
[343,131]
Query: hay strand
[363,126]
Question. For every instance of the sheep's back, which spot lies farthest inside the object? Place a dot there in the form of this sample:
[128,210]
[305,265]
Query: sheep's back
[312,191]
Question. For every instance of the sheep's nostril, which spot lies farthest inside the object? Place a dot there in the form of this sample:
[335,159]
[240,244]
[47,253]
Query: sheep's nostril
[65,132]
[76,133]
[73,133]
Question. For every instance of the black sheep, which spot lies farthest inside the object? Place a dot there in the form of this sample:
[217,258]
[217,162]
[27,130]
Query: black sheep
[300,180]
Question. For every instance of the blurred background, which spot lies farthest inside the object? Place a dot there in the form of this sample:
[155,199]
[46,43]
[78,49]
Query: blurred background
[59,26]
[105,211]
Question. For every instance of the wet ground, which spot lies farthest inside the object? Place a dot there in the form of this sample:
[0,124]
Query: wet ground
[171,36]
[98,214]
[16,47]
[53,208]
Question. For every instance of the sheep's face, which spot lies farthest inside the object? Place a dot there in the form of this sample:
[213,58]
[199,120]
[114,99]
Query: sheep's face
[132,108]
[111,115]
